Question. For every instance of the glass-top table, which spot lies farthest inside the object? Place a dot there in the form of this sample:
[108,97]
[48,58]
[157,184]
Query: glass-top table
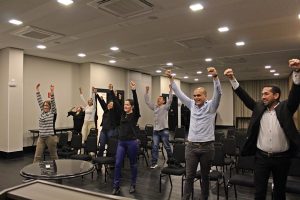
[57,169]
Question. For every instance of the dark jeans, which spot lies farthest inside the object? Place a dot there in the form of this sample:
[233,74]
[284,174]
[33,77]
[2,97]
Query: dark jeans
[279,167]
[104,136]
[131,148]
[195,153]
[162,135]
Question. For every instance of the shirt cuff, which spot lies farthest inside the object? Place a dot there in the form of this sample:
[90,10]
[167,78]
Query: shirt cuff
[296,77]
[234,83]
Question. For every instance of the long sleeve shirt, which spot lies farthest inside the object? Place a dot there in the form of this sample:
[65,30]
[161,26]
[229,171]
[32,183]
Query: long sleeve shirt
[160,112]
[90,111]
[127,130]
[202,120]
[47,119]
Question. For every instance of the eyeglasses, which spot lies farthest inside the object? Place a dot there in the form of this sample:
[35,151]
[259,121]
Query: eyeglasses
[197,95]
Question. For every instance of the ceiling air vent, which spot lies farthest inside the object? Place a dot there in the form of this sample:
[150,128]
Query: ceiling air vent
[196,42]
[123,8]
[121,54]
[37,34]
[232,60]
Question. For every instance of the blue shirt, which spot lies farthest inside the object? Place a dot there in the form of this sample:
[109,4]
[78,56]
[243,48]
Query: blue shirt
[202,122]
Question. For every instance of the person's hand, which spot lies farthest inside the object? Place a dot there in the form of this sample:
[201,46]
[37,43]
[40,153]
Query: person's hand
[147,89]
[52,88]
[101,97]
[94,90]
[132,85]
[294,64]
[212,71]
[110,86]
[168,73]
[80,90]
[37,87]
[229,73]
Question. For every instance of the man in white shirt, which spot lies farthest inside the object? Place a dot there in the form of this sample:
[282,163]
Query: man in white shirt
[272,134]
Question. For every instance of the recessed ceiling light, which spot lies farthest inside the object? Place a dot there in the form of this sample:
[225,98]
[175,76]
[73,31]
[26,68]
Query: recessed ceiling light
[112,61]
[173,74]
[169,64]
[196,7]
[158,71]
[81,55]
[223,29]
[114,48]
[276,74]
[65,2]
[208,59]
[299,16]
[268,67]
[272,70]
[185,77]
[40,46]
[199,72]
[240,43]
[15,22]
[209,75]
[196,79]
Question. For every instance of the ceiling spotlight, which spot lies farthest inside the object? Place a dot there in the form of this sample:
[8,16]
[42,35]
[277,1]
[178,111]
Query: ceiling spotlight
[173,74]
[169,64]
[65,2]
[185,77]
[158,71]
[199,72]
[240,43]
[40,46]
[15,22]
[196,7]
[81,55]
[268,67]
[276,74]
[114,48]
[272,70]
[209,75]
[299,16]
[112,61]
[208,59]
[223,29]
[196,79]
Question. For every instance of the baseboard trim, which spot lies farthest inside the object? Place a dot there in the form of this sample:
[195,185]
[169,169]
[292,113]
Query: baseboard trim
[9,155]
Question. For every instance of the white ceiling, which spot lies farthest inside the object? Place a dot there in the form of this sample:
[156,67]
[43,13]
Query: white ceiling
[167,32]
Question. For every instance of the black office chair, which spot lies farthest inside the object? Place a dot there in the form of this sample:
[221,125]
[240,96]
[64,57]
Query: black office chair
[142,151]
[67,151]
[177,170]
[91,147]
[293,181]
[179,135]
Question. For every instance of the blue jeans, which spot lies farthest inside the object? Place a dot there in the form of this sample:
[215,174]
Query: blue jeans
[131,148]
[193,155]
[162,135]
[104,136]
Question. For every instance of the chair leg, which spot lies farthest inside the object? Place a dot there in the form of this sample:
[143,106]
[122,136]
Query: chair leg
[235,193]
[170,181]
[218,189]
[225,188]
[162,151]
[160,183]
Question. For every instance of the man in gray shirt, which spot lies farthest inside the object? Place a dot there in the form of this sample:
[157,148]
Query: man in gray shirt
[161,127]
[200,145]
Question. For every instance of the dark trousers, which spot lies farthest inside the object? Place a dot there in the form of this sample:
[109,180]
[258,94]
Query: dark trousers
[279,167]
[131,148]
[162,135]
[103,140]
[193,155]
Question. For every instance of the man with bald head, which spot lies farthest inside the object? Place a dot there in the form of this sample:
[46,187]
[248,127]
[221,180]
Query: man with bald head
[200,145]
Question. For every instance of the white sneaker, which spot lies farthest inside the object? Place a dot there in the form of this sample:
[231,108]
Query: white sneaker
[153,166]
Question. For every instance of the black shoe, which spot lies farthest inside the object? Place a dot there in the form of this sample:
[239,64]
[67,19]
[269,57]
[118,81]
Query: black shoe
[116,191]
[132,189]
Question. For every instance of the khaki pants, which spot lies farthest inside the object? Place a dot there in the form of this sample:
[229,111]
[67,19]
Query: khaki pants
[87,125]
[51,142]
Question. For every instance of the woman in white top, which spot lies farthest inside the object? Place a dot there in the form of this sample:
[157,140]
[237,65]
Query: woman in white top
[89,118]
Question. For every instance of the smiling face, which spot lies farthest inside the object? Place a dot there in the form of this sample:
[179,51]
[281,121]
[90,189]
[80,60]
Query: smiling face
[110,105]
[128,106]
[46,106]
[200,96]
[90,102]
[268,97]
[160,101]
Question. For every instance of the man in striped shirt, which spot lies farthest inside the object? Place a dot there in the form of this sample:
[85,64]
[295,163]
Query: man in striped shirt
[47,119]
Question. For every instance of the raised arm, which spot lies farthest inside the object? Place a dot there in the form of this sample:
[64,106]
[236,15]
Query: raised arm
[94,92]
[39,96]
[294,95]
[136,109]
[170,99]
[183,98]
[52,99]
[217,89]
[117,105]
[147,99]
[82,97]
[242,94]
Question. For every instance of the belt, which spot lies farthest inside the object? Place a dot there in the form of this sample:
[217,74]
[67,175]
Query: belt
[200,143]
[273,155]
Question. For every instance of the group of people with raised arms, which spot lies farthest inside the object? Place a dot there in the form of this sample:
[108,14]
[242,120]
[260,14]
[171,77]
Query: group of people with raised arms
[272,135]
